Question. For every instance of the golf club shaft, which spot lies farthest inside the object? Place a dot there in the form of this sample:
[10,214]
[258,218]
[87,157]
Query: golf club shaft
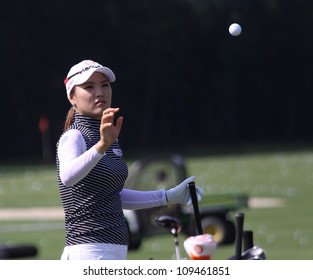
[247,239]
[177,249]
[195,205]
[239,235]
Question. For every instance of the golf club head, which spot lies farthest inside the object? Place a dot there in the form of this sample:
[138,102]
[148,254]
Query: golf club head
[254,253]
[170,223]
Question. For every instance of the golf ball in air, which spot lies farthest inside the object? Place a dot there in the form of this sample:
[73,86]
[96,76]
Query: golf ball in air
[234,29]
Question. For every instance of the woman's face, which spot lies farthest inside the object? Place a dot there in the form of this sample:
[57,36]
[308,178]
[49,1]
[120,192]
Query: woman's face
[92,97]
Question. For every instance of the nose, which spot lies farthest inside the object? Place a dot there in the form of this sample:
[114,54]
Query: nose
[99,92]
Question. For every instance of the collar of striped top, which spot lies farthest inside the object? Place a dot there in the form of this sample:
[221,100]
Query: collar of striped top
[86,121]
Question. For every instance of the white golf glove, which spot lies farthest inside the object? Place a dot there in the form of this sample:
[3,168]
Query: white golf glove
[181,193]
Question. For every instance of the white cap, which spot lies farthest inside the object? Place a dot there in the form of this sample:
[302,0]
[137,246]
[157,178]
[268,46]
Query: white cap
[82,71]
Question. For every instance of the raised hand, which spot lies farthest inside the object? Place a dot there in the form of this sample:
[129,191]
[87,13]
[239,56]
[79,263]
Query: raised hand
[109,131]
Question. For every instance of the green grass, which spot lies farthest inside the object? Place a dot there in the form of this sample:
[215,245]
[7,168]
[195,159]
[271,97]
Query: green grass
[28,186]
[284,232]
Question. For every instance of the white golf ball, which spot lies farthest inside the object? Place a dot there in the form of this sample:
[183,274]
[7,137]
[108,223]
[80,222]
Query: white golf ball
[234,29]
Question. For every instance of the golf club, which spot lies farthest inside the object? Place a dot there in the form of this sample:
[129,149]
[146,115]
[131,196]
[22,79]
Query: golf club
[251,252]
[254,253]
[239,236]
[247,240]
[195,205]
[17,251]
[174,226]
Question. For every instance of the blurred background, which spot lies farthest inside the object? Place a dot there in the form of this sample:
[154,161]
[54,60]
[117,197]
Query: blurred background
[238,109]
[182,79]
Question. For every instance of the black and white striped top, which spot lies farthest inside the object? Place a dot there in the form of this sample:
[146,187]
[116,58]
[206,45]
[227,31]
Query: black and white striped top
[92,205]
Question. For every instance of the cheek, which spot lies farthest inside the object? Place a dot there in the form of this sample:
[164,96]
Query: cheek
[84,101]
[108,94]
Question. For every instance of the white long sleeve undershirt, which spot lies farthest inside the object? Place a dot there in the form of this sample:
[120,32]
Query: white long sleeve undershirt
[75,162]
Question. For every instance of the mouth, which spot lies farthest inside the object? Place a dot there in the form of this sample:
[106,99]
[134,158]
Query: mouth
[100,102]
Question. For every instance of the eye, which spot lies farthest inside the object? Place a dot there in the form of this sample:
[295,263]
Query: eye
[88,86]
[106,84]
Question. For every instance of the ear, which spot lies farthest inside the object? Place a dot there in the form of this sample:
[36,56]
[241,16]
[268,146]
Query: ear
[72,99]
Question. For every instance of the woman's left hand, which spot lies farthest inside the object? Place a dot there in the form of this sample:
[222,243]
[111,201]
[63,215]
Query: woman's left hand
[181,193]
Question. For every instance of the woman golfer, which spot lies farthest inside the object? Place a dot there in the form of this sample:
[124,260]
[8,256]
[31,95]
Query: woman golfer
[91,170]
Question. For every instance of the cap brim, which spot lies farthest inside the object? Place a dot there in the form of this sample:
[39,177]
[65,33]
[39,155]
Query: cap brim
[104,70]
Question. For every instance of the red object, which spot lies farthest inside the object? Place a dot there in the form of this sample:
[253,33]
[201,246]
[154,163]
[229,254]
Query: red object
[43,124]
[194,257]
